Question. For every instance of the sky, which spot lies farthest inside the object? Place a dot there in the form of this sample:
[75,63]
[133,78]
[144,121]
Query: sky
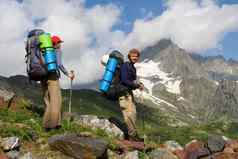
[90,28]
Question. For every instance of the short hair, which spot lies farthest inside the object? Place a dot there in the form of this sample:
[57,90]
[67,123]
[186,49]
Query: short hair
[133,51]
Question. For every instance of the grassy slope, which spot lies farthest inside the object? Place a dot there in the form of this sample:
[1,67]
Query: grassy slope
[90,102]
[151,121]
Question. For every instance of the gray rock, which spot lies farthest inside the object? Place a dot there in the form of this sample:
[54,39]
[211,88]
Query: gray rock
[112,155]
[161,154]
[13,154]
[131,155]
[27,156]
[225,100]
[126,155]
[173,145]
[7,95]
[97,123]
[79,147]
[216,143]
[10,143]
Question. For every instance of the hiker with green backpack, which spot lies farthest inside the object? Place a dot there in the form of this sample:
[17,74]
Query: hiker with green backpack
[44,64]
[119,81]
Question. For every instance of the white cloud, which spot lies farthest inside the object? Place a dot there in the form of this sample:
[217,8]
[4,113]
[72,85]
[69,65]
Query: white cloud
[192,25]
[13,24]
[88,32]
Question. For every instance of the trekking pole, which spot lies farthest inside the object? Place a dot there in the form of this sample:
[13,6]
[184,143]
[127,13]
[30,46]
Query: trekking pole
[143,115]
[70,95]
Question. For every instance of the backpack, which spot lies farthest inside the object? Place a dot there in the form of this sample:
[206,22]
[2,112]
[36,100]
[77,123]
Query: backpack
[115,88]
[35,67]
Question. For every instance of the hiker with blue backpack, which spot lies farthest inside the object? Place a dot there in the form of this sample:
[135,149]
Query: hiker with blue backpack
[126,100]
[44,64]
[119,80]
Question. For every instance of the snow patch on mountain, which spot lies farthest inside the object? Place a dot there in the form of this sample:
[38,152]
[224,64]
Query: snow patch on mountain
[150,74]
[157,100]
[142,95]
[181,99]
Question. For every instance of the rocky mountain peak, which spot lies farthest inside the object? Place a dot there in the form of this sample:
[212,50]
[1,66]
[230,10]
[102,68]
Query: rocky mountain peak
[173,59]
[151,51]
[191,85]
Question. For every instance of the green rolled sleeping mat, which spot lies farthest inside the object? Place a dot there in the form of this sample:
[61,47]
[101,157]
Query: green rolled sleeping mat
[45,41]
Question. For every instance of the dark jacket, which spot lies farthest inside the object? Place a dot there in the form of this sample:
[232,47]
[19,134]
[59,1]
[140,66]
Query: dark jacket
[128,76]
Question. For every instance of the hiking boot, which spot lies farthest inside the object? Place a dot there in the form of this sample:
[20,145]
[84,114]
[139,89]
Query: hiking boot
[48,129]
[55,128]
[58,127]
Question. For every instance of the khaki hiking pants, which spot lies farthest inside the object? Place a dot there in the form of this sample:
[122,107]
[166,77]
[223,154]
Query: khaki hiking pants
[52,100]
[129,113]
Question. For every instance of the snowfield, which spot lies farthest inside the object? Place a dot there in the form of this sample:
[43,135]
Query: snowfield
[150,69]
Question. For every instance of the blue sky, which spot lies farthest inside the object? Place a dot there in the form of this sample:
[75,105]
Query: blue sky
[134,9]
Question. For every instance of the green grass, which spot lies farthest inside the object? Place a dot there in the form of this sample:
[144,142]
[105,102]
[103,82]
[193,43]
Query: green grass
[151,123]
[91,102]
[31,127]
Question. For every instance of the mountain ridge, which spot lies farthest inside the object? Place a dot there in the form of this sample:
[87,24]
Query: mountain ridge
[197,80]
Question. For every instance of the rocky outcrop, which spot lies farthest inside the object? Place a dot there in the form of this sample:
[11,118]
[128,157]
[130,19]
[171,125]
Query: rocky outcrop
[100,123]
[203,96]
[6,94]
[126,155]
[216,147]
[225,100]
[161,153]
[216,143]
[10,143]
[79,147]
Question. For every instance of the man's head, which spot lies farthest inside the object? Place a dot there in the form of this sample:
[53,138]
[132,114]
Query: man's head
[134,55]
[56,42]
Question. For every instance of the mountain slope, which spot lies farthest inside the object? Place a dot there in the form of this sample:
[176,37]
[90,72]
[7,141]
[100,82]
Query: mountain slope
[190,82]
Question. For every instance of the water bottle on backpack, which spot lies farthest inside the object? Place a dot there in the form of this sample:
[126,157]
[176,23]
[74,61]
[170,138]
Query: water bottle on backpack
[111,77]
[48,52]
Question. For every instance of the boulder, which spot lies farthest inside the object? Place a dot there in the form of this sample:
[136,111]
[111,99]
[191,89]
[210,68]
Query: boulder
[100,123]
[196,149]
[5,94]
[131,155]
[216,143]
[125,155]
[179,153]
[161,153]
[127,145]
[223,155]
[173,145]
[233,144]
[27,156]
[197,153]
[228,150]
[13,154]
[10,143]
[79,147]
[194,144]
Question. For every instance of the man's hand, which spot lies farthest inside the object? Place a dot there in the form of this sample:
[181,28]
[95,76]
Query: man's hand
[71,75]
